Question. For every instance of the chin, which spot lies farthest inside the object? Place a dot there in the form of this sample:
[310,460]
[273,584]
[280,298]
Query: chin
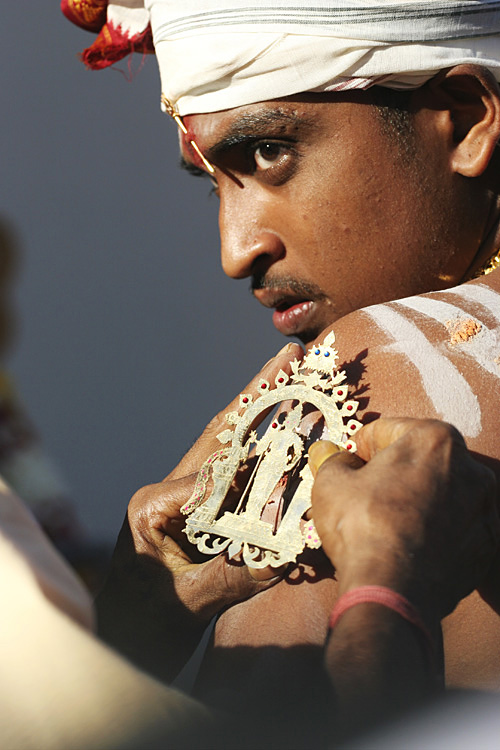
[308,338]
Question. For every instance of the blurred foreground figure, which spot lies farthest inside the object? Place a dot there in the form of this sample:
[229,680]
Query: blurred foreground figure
[24,463]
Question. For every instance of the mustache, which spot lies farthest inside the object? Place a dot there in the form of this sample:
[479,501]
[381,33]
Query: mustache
[305,289]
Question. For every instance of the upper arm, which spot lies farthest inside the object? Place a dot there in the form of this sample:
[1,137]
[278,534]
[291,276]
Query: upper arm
[432,356]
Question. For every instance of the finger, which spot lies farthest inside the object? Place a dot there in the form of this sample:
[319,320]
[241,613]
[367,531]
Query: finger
[265,574]
[384,432]
[208,442]
[154,510]
[375,436]
[331,486]
[218,583]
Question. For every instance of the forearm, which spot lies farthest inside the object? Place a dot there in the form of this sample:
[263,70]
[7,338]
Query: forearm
[379,665]
[156,633]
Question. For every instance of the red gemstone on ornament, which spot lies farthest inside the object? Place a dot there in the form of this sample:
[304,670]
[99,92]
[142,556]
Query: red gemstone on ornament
[348,446]
[274,425]
[263,386]
[245,400]
[349,408]
[339,393]
[281,380]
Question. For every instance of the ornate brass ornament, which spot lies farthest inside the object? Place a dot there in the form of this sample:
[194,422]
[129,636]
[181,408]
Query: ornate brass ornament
[277,454]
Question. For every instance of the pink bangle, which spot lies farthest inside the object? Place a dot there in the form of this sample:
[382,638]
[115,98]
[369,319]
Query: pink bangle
[387,598]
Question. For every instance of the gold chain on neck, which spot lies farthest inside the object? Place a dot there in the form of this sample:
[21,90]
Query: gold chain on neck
[491,265]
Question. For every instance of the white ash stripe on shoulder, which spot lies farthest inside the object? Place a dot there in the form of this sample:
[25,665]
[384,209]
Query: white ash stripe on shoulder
[449,392]
[481,294]
[483,347]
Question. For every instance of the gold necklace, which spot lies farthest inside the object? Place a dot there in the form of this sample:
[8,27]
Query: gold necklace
[491,265]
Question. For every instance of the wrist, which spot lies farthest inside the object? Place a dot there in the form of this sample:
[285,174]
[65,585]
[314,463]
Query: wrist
[388,614]
[397,576]
[394,571]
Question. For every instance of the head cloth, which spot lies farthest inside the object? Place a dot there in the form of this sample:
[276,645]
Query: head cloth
[217,55]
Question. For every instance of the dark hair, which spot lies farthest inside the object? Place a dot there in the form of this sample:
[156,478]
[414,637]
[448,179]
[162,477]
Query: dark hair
[396,117]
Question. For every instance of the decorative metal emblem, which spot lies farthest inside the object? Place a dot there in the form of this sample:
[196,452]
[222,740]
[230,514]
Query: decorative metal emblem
[278,457]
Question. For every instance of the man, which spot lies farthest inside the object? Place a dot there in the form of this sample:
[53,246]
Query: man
[354,152]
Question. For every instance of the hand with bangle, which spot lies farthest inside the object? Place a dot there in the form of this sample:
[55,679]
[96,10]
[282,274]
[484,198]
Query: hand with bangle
[411,525]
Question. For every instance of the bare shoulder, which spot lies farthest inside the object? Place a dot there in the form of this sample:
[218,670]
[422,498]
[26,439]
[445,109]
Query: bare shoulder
[434,355]
[438,355]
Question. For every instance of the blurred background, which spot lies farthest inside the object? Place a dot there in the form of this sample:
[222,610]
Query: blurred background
[122,335]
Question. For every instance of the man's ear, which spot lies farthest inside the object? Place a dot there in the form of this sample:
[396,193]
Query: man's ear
[471,95]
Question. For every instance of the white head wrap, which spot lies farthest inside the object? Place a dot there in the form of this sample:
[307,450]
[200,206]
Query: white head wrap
[217,55]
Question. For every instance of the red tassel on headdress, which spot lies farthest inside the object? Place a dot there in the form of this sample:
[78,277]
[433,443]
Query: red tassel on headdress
[89,14]
[112,43]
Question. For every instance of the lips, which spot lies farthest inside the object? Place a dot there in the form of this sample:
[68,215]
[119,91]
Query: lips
[292,314]
[293,320]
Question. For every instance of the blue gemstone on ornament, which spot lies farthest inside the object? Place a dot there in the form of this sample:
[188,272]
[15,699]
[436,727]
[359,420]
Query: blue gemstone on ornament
[317,351]
[327,354]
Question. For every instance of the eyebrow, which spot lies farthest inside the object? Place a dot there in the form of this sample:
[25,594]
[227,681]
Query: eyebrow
[248,128]
[252,126]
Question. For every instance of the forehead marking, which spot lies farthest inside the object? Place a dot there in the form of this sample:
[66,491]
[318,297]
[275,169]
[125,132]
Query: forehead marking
[447,389]
[483,348]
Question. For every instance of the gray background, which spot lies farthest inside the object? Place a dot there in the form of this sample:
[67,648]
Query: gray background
[129,336]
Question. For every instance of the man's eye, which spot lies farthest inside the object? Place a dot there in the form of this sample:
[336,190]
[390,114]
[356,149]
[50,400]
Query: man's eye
[267,154]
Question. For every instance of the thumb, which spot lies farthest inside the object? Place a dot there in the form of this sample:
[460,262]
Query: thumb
[332,467]
[223,582]
[322,450]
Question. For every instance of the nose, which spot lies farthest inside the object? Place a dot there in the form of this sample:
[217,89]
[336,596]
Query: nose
[247,243]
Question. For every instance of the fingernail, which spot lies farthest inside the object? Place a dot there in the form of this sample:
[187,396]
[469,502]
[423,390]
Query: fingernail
[319,451]
[287,348]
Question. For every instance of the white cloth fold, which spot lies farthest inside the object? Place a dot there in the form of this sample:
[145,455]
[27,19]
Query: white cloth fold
[215,56]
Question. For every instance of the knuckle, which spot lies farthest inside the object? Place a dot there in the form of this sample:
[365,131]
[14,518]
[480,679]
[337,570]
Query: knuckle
[142,499]
[440,432]
[442,439]
[215,425]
